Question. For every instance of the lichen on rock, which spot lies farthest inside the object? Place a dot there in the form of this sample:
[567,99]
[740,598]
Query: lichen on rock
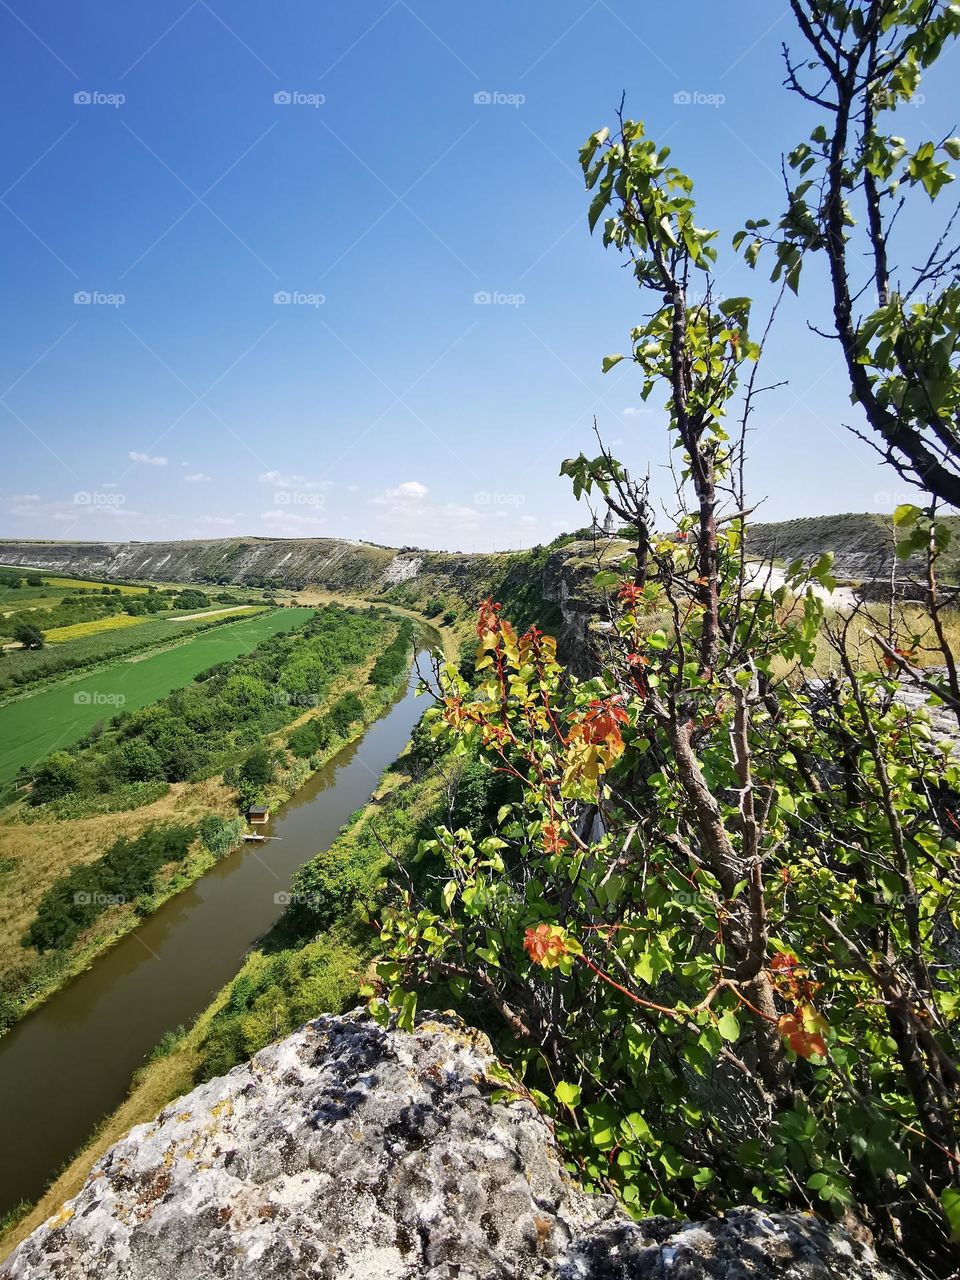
[347,1152]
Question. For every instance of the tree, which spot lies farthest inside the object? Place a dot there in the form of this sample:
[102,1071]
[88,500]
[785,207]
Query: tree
[706,933]
[28,636]
[258,769]
[852,182]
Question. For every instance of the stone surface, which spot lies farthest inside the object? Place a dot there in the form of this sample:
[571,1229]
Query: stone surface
[349,1153]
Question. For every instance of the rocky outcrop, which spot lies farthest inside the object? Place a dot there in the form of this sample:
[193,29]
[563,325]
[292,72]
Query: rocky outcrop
[346,1152]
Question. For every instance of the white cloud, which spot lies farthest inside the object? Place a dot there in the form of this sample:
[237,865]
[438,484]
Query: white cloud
[134,456]
[197,478]
[25,497]
[217,520]
[281,481]
[636,411]
[409,489]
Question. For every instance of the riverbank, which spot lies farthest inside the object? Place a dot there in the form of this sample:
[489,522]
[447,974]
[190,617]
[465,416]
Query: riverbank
[34,854]
[170,1074]
[189,949]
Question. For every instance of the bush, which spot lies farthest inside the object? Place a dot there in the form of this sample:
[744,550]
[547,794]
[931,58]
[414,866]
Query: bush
[221,835]
[345,712]
[307,739]
[55,776]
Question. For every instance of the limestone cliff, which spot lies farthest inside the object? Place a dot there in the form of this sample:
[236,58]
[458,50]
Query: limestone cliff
[346,1152]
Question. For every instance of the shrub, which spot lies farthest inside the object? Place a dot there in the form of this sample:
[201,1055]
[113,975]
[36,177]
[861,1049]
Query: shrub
[221,835]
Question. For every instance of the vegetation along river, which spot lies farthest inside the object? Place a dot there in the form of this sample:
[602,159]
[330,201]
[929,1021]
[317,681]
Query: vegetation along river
[67,1065]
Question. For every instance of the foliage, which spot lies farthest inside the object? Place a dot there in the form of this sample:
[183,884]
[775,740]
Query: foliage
[221,835]
[715,928]
[126,871]
[392,663]
[28,636]
[847,187]
[308,739]
[68,807]
[277,993]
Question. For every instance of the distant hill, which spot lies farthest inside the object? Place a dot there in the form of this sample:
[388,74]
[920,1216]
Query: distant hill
[862,543]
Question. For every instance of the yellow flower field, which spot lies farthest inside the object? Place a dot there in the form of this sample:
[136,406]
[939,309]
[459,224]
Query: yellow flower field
[67,583]
[59,635]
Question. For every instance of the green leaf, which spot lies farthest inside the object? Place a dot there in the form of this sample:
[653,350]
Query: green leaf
[610,361]
[733,306]
[950,1199]
[906,514]
[568,1094]
[729,1027]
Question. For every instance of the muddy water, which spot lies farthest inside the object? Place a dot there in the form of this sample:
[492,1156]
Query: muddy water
[67,1065]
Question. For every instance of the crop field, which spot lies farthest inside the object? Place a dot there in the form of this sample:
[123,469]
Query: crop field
[86,584]
[55,718]
[59,635]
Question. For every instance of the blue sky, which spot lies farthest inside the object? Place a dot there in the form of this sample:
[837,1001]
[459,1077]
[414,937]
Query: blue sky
[184,163]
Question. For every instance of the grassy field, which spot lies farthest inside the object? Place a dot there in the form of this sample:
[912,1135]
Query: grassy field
[20,668]
[56,717]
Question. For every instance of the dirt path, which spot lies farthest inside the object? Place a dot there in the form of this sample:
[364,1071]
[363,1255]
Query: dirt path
[212,613]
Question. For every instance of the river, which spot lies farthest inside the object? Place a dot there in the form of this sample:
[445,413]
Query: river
[69,1064]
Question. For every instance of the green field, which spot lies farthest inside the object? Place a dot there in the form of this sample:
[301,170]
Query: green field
[55,718]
